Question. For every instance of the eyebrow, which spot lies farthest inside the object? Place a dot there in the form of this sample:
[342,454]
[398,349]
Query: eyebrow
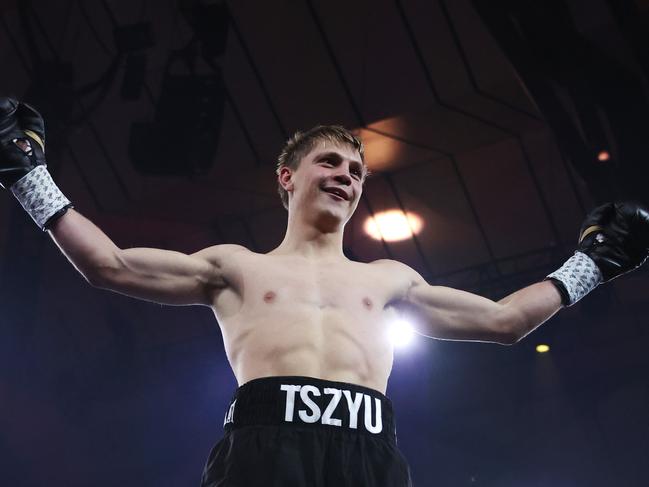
[335,155]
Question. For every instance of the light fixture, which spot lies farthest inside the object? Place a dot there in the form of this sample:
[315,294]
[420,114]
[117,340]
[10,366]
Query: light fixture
[393,225]
[542,348]
[603,156]
[401,333]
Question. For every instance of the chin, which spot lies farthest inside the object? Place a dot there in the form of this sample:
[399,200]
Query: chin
[331,218]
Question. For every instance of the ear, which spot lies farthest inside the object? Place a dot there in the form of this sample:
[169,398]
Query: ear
[285,178]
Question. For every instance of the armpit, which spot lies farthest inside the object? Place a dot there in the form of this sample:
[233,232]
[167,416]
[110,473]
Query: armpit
[403,280]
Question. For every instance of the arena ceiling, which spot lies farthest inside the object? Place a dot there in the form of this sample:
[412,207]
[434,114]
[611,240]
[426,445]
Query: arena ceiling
[449,129]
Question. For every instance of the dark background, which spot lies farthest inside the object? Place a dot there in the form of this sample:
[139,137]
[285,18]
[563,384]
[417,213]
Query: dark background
[486,117]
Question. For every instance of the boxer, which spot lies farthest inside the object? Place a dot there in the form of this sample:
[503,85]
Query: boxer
[305,329]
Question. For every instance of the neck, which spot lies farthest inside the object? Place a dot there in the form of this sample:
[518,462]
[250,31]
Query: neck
[310,240]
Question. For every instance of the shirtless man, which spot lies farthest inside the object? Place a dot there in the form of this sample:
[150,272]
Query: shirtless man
[305,328]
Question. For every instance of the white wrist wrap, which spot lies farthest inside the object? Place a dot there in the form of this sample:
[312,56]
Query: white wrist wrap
[39,196]
[580,275]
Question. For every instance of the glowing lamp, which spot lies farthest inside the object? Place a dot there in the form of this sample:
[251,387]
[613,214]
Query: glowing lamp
[401,333]
[603,156]
[393,225]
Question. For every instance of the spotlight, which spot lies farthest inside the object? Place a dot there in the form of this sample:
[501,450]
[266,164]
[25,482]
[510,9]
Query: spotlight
[603,156]
[393,225]
[542,348]
[401,333]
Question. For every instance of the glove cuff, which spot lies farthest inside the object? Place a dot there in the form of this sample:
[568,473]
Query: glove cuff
[40,197]
[579,276]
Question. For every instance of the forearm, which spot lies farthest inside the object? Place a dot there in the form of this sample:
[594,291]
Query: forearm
[532,306]
[86,246]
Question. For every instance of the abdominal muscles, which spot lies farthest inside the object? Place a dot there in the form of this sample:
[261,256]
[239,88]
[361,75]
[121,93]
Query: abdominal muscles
[307,340]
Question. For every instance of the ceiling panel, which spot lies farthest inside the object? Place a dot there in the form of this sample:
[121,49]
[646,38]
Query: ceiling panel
[499,182]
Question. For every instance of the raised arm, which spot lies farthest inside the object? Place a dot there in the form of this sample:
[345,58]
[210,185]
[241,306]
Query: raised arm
[162,276]
[614,240]
[451,314]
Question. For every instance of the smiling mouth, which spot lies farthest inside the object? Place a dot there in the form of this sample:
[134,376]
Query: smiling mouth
[334,195]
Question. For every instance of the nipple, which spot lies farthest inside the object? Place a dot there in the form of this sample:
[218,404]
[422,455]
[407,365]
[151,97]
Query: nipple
[367,302]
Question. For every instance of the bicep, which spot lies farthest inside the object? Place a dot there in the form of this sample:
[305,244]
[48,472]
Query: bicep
[452,314]
[163,276]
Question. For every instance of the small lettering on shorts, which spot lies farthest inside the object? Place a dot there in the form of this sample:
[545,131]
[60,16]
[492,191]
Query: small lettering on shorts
[229,415]
[313,414]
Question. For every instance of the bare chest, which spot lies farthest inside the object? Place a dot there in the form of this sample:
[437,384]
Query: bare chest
[264,283]
[321,285]
[286,316]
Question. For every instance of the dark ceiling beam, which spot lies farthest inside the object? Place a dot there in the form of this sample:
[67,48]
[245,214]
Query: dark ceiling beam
[242,124]
[360,119]
[471,75]
[66,23]
[66,144]
[577,86]
[22,59]
[109,161]
[516,136]
[258,77]
[237,113]
[573,183]
[634,26]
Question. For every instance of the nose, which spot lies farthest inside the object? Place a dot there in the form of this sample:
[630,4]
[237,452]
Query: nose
[343,177]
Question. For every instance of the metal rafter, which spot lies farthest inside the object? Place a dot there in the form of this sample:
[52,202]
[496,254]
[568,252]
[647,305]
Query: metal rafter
[66,144]
[260,80]
[476,88]
[472,78]
[438,100]
[91,126]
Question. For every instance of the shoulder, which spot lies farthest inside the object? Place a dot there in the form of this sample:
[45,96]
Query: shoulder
[393,266]
[397,270]
[399,277]
[216,254]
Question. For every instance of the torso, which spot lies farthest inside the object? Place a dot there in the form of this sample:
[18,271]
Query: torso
[288,315]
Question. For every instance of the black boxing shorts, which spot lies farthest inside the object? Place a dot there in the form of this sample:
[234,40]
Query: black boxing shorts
[301,431]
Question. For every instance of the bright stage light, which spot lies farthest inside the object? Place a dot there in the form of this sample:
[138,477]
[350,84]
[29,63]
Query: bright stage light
[393,225]
[603,156]
[401,333]
[542,348]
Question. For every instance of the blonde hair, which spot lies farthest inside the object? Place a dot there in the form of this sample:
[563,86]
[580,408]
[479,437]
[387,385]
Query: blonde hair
[298,146]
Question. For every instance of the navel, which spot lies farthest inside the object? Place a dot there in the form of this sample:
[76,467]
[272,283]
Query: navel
[367,303]
[269,297]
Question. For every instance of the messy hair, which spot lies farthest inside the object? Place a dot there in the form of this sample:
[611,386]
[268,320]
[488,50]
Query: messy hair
[298,146]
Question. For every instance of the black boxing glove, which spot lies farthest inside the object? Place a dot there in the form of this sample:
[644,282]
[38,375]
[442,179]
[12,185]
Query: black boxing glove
[22,147]
[616,237]
[613,240]
[23,168]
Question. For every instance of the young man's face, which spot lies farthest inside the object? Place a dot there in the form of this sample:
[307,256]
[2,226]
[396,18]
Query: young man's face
[328,183]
